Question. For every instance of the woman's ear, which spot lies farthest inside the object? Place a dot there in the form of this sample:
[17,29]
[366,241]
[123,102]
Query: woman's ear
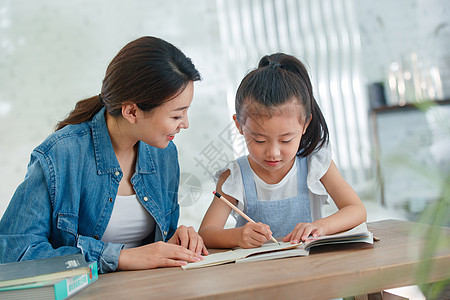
[130,111]
[307,124]
[236,122]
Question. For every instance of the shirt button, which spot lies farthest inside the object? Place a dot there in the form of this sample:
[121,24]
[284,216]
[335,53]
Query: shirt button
[110,200]
[96,237]
[117,173]
[145,199]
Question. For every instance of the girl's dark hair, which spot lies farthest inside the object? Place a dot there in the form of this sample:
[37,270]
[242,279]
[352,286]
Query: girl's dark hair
[148,71]
[279,79]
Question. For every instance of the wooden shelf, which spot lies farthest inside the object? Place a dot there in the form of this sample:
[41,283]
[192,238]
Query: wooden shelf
[408,106]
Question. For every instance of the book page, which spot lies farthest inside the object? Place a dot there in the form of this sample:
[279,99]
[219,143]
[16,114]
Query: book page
[299,251]
[213,259]
[359,233]
[239,253]
[242,253]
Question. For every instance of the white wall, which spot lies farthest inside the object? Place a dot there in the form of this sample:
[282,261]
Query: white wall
[54,53]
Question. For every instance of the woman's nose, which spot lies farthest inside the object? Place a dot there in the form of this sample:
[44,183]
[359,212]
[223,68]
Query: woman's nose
[185,123]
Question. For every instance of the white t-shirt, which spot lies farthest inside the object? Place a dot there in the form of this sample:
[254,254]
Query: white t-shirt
[318,164]
[130,223]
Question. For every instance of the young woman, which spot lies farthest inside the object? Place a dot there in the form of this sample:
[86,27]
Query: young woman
[105,183]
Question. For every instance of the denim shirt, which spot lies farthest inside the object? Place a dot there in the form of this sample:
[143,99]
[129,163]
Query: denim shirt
[65,202]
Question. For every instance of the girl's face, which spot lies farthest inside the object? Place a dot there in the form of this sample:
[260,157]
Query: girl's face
[159,126]
[273,141]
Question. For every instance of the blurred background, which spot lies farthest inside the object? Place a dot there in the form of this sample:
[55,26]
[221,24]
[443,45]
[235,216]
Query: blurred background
[373,64]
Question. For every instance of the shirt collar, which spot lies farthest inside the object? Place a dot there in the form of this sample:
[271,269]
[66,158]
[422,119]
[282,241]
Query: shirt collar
[104,153]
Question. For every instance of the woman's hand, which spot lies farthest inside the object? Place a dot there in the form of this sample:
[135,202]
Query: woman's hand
[188,238]
[302,231]
[156,255]
[254,235]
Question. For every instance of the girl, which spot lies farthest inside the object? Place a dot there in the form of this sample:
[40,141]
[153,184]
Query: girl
[105,183]
[286,178]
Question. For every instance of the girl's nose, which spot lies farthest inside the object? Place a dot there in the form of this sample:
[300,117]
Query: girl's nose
[273,150]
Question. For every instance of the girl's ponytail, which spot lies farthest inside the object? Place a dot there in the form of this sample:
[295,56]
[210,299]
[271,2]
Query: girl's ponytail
[316,134]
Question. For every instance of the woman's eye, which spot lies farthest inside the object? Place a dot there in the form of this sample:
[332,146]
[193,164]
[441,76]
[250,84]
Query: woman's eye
[177,118]
[259,142]
[285,142]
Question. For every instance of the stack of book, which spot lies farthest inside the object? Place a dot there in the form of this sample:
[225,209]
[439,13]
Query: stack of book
[49,278]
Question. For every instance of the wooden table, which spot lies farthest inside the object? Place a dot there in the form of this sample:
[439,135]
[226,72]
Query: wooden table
[328,272]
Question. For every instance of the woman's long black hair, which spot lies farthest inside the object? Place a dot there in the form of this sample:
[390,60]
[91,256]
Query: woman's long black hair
[148,71]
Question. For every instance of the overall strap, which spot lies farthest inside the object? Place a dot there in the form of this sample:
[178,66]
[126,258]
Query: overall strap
[302,177]
[302,187]
[247,178]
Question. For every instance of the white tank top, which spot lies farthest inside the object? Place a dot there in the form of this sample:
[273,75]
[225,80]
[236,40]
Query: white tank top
[130,222]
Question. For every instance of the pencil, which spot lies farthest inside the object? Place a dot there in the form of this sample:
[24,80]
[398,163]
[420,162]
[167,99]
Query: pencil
[238,211]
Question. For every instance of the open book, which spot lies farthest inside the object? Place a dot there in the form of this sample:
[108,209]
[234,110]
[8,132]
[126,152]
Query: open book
[272,250]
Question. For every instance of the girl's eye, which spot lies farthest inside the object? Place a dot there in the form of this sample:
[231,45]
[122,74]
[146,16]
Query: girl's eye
[259,142]
[177,118]
[285,142]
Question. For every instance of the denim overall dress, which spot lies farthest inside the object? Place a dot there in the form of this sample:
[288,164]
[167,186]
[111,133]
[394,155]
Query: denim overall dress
[281,215]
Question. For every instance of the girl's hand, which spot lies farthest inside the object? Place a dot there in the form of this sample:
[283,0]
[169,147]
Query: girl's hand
[156,255]
[302,231]
[254,235]
[188,238]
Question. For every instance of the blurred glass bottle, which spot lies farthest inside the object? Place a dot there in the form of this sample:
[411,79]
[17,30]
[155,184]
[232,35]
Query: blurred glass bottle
[413,79]
[396,95]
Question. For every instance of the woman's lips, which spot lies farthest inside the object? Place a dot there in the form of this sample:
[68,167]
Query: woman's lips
[171,136]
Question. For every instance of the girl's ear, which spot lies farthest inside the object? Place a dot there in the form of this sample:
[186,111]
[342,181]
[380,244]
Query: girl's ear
[237,124]
[307,124]
[130,112]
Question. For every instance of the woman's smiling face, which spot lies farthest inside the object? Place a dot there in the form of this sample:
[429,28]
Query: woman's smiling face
[159,126]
